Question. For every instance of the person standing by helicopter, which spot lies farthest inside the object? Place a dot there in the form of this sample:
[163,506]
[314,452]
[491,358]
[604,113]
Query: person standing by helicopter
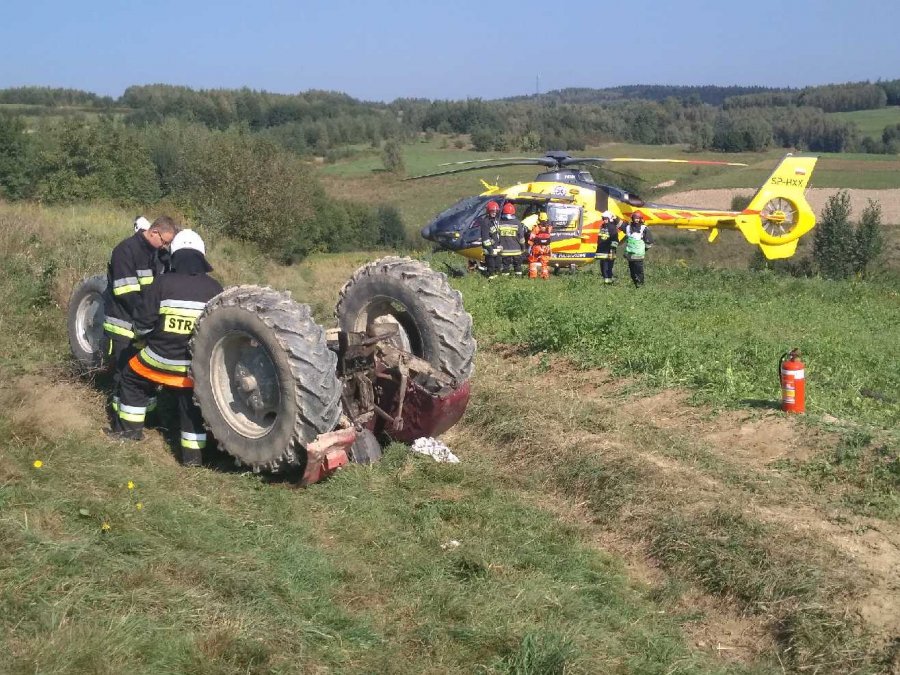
[489,224]
[637,240]
[607,243]
[540,247]
[512,240]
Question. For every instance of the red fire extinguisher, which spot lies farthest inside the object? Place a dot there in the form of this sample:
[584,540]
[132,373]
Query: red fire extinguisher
[793,382]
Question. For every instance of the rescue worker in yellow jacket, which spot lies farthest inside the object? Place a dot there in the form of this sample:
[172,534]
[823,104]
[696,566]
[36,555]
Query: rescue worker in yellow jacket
[165,323]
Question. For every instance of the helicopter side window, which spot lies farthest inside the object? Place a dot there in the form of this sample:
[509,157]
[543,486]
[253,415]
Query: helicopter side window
[565,217]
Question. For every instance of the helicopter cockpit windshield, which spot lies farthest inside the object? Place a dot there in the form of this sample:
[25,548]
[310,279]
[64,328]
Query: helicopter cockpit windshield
[452,228]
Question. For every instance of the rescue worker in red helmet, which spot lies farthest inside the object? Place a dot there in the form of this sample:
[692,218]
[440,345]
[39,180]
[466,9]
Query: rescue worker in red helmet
[165,322]
[637,240]
[512,240]
[489,225]
[607,243]
[539,253]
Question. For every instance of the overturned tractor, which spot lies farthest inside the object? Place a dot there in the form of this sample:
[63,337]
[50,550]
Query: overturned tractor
[278,391]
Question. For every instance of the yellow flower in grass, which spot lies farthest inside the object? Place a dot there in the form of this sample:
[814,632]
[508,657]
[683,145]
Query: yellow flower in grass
[130,485]
[139,506]
[104,526]
[37,464]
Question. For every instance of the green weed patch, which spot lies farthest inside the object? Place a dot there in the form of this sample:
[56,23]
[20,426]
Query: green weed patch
[718,333]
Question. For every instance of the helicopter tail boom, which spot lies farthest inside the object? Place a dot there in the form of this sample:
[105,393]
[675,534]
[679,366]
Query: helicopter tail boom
[778,215]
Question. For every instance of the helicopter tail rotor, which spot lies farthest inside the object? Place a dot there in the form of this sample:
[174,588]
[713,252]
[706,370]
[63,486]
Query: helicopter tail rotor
[778,215]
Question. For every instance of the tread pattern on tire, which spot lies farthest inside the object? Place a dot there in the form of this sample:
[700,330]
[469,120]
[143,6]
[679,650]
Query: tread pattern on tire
[317,390]
[443,304]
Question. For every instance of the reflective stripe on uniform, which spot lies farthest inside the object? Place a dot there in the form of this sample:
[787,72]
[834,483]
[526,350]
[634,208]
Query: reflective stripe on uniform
[132,413]
[126,285]
[157,361]
[183,304]
[181,311]
[193,441]
[118,327]
[151,404]
[145,277]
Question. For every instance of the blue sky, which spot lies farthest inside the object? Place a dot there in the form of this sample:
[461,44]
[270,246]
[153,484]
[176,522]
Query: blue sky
[381,51]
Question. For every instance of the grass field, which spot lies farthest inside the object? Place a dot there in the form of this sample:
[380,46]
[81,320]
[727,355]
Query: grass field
[871,122]
[608,519]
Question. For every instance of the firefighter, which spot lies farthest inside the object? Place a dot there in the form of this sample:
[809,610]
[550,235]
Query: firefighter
[512,240]
[607,243]
[133,265]
[489,224]
[165,323]
[637,240]
[540,247]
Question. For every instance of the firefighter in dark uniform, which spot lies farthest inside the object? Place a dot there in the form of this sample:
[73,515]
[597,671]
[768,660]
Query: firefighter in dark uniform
[637,240]
[165,323]
[607,243]
[512,240]
[489,225]
[132,267]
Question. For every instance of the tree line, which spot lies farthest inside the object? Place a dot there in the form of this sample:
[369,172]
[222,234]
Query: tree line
[324,123]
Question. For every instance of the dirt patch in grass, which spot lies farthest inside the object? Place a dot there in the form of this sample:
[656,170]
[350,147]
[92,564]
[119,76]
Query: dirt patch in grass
[51,409]
[710,624]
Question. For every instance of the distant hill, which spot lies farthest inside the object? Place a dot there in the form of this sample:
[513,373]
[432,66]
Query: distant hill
[710,94]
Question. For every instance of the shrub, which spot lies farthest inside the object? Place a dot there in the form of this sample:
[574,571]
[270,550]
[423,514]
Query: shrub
[391,230]
[869,241]
[245,187]
[839,249]
[96,161]
[740,202]
[392,157]
[833,238]
[15,148]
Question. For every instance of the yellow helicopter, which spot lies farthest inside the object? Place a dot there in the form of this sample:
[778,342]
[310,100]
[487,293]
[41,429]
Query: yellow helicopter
[777,216]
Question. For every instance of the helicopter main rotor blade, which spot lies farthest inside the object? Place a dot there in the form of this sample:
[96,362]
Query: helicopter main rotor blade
[546,161]
[619,173]
[569,161]
[707,162]
[497,165]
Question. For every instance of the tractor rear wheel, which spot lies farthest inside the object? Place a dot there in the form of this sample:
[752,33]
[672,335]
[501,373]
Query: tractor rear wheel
[264,377]
[84,322]
[409,295]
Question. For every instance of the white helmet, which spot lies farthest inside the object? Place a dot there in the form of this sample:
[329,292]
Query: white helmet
[141,223]
[188,239]
[607,215]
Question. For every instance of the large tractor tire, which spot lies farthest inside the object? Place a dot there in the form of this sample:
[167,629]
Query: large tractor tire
[433,324]
[264,377]
[85,322]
